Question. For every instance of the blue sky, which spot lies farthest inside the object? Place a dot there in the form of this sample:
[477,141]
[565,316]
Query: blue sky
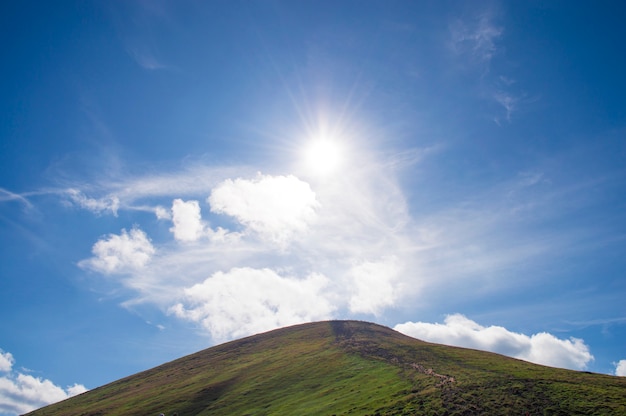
[179,174]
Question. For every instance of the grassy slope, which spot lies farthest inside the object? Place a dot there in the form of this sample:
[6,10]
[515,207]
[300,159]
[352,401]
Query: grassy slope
[347,367]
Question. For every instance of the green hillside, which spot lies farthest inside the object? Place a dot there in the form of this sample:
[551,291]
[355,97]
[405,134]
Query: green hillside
[348,368]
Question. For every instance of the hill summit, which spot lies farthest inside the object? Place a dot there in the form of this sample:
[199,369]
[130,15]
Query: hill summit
[348,368]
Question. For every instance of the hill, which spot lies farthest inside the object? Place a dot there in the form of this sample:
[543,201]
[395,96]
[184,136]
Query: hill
[348,368]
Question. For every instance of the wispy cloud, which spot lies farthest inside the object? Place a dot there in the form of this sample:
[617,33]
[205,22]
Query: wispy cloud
[6,195]
[114,192]
[511,99]
[476,42]
[138,24]
[97,205]
[541,348]
[620,368]
[507,101]
[192,180]
[144,56]
[476,38]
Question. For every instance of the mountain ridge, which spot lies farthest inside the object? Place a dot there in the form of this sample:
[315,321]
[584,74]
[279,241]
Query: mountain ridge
[347,367]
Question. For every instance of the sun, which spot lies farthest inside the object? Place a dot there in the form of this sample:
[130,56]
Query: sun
[323,156]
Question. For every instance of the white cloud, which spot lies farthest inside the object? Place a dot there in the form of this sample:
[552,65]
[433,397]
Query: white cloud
[507,101]
[373,285]
[120,253]
[358,233]
[531,178]
[476,37]
[355,229]
[275,207]
[131,192]
[541,348]
[6,361]
[144,57]
[22,393]
[187,220]
[620,368]
[244,301]
[75,389]
[162,213]
[192,181]
[6,195]
[475,40]
[109,203]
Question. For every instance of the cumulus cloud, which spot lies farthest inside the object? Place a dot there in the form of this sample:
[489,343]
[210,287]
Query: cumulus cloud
[244,301]
[22,393]
[541,348]
[344,243]
[275,207]
[6,361]
[620,368]
[373,285]
[187,220]
[120,253]
[356,230]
